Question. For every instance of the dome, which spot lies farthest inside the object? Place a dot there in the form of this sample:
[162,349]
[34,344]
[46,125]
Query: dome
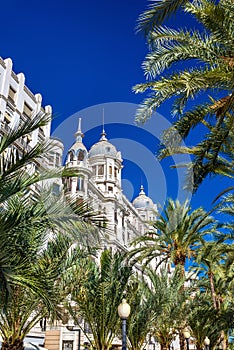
[143,201]
[104,147]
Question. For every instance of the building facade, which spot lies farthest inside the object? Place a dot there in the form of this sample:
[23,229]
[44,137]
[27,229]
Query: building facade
[18,103]
[97,178]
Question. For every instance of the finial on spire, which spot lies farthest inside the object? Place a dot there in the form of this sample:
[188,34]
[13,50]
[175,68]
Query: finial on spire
[79,135]
[103,134]
[142,190]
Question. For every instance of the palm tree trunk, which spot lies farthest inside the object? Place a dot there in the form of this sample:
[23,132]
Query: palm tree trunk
[163,346]
[216,306]
[17,344]
[199,346]
[182,341]
[212,289]
[224,340]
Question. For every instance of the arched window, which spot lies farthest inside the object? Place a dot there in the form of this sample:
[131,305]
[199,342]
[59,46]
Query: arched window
[101,169]
[71,156]
[81,155]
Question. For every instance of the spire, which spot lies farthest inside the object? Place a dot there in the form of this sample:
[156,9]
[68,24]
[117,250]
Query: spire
[103,134]
[141,190]
[79,135]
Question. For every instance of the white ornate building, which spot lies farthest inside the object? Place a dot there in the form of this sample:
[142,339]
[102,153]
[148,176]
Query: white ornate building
[98,178]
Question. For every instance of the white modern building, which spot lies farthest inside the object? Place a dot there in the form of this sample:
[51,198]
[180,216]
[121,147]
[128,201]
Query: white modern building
[18,103]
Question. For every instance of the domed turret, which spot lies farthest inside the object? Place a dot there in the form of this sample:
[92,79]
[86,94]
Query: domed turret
[143,201]
[106,163]
[145,206]
[104,147]
[78,151]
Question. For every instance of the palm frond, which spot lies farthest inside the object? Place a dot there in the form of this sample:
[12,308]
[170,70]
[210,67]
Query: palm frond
[157,12]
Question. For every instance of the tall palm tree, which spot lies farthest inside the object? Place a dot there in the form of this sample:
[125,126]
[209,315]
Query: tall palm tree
[208,69]
[168,305]
[37,254]
[98,297]
[179,232]
[204,320]
[210,261]
[16,179]
[38,236]
[217,267]
[139,323]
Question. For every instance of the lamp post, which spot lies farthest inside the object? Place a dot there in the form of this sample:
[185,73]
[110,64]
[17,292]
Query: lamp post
[187,336]
[75,329]
[207,343]
[124,311]
[151,343]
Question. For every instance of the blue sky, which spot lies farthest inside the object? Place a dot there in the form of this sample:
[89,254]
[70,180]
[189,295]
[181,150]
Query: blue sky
[79,54]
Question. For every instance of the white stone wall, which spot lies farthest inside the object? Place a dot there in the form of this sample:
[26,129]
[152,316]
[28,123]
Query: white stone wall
[15,97]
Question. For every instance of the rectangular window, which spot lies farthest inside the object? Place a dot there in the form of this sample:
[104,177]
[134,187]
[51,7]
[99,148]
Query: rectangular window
[57,159]
[115,216]
[80,183]
[51,159]
[55,189]
[100,169]
[110,170]
[69,184]
[27,110]
[7,117]
[11,94]
[116,172]
[87,328]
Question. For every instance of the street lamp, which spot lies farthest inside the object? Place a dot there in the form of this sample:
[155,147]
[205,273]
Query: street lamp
[187,336]
[124,311]
[207,343]
[75,329]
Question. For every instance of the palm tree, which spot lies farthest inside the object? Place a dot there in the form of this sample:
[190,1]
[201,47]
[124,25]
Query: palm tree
[209,56]
[203,320]
[211,260]
[179,232]
[139,323]
[38,236]
[15,185]
[216,260]
[37,257]
[168,303]
[98,297]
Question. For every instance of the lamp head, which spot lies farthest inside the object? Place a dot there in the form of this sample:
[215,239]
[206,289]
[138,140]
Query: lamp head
[207,341]
[186,334]
[124,310]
